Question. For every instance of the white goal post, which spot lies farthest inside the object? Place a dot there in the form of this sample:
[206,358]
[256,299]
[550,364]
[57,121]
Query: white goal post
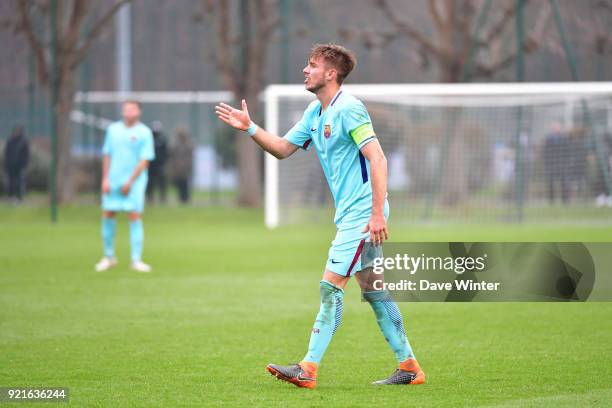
[562,102]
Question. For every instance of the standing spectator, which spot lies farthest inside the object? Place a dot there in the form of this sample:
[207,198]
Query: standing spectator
[182,164]
[577,165]
[157,173]
[604,197]
[16,155]
[556,156]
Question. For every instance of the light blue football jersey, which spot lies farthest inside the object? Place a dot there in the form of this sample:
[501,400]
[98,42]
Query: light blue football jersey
[337,134]
[126,146]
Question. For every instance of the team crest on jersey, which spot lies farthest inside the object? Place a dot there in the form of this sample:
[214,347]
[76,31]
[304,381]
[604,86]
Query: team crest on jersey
[327,131]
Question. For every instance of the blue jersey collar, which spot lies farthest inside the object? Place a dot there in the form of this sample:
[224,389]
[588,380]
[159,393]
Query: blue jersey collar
[334,99]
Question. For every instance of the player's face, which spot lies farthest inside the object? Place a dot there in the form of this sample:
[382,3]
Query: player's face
[317,74]
[131,112]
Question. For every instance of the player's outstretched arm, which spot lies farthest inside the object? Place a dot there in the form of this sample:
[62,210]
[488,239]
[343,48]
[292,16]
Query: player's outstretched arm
[240,119]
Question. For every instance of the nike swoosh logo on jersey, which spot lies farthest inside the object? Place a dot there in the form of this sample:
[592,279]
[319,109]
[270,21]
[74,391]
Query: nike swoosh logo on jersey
[335,262]
[313,129]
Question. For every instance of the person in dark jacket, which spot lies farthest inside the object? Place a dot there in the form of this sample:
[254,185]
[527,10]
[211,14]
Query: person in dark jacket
[577,166]
[157,172]
[16,155]
[556,155]
[182,164]
[603,171]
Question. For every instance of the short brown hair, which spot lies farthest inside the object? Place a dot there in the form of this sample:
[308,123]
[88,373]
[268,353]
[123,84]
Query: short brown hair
[342,59]
[133,102]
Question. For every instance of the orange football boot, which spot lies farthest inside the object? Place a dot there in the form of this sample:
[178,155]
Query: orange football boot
[302,375]
[409,372]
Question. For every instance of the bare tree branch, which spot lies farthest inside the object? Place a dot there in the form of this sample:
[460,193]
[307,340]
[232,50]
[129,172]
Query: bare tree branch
[79,11]
[605,5]
[98,27]
[466,16]
[26,26]
[531,44]
[487,70]
[500,27]
[435,13]
[267,19]
[224,63]
[68,24]
[8,23]
[451,14]
[377,39]
[465,27]
[272,19]
[594,30]
[408,29]
[245,78]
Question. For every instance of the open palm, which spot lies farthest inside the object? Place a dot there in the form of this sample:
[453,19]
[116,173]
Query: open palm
[236,118]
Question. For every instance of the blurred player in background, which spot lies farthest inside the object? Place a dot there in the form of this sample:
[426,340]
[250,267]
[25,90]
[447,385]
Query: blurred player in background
[16,155]
[127,151]
[340,128]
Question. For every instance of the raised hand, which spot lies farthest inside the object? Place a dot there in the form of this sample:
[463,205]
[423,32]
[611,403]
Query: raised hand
[236,118]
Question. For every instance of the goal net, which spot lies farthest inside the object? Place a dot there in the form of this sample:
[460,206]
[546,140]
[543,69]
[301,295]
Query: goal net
[533,152]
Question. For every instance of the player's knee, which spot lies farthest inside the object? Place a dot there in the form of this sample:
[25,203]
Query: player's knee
[335,279]
[331,301]
[134,216]
[367,279]
[328,290]
[108,214]
[331,304]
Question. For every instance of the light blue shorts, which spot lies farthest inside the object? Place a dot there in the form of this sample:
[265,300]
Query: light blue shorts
[133,202]
[345,254]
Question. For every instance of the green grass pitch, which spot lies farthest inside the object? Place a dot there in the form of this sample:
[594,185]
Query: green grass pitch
[228,296]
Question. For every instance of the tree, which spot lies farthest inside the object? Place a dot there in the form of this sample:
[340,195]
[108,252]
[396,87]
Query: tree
[459,53]
[454,23]
[33,22]
[240,55]
[594,34]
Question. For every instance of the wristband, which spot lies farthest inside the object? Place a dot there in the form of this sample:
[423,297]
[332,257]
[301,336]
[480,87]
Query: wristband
[252,129]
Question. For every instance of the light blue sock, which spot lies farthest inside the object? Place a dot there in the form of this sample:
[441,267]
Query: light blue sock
[328,320]
[109,226]
[389,320]
[136,239]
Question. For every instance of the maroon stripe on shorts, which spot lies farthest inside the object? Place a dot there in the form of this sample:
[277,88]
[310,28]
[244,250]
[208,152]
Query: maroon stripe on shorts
[356,257]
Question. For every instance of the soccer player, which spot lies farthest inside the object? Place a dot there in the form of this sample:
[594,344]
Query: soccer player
[127,151]
[340,129]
